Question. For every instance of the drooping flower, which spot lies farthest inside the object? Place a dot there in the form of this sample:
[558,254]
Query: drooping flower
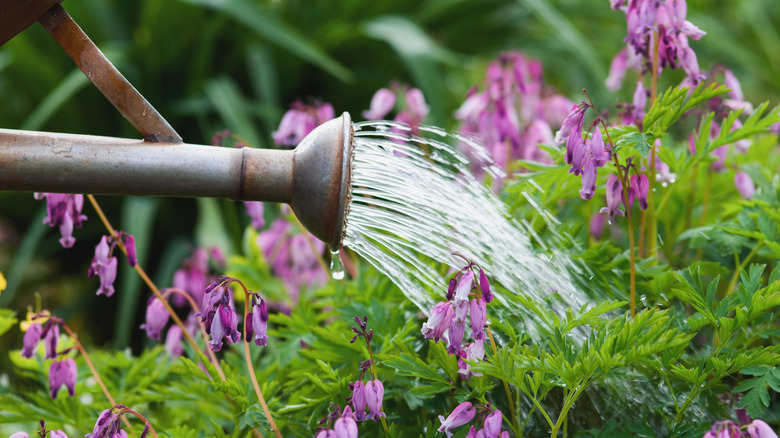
[639,189]
[300,120]
[20,435]
[57,434]
[129,243]
[173,340]
[62,372]
[255,210]
[381,104]
[224,325]
[359,400]
[492,425]
[439,321]
[107,426]
[596,226]
[461,415]
[156,318]
[736,100]
[104,266]
[374,391]
[478,316]
[744,185]
[51,336]
[345,427]
[31,338]
[614,197]
[257,322]
[465,283]
[456,332]
[64,211]
[759,429]
[484,286]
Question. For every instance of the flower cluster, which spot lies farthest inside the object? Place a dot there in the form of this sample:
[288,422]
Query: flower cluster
[217,313]
[730,429]
[104,264]
[413,110]
[450,316]
[661,23]
[300,120]
[514,113]
[344,425]
[42,433]
[109,424]
[367,395]
[61,372]
[465,412]
[293,256]
[64,211]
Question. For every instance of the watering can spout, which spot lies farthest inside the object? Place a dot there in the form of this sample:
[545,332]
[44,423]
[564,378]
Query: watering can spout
[314,178]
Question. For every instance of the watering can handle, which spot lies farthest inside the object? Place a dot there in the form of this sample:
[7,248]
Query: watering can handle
[130,103]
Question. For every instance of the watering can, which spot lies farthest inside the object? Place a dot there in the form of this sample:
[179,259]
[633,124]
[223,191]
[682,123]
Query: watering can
[314,178]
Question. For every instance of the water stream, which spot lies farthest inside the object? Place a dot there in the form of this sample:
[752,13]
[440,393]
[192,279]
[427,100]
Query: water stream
[415,203]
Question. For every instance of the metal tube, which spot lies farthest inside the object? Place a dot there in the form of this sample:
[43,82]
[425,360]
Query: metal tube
[121,93]
[67,163]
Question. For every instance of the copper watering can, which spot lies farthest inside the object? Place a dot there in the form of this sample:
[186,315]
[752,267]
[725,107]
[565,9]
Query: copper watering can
[314,178]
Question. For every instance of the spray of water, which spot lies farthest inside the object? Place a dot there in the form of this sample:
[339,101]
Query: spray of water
[415,203]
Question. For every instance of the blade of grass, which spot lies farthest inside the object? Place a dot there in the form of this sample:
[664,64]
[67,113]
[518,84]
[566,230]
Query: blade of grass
[138,215]
[570,36]
[271,27]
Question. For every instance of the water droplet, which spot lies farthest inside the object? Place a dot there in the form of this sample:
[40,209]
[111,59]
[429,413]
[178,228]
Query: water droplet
[336,266]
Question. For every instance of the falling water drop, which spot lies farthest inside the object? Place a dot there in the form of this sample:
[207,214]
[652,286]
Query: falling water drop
[336,266]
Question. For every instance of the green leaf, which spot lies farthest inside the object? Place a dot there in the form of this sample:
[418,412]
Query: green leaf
[413,366]
[266,24]
[7,320]
[639,141]
[253,417]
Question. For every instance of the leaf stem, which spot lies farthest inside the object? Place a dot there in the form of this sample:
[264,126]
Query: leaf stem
[250,368]
[142,418]
[742,265]
[506,385]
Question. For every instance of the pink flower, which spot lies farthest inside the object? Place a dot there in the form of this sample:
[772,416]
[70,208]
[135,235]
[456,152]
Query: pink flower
[439,321]
[359,400]
[104,266]
[381,104]
[255,211]
[51,336]
[129,243]
[31,338]
[257,322]
[614,197]
[759,429]
[461,415]
[744,185]
[156,318]
[478,316]
[492,425]
[62,372]
[300,120]
[374,391]
[639,189]
[173,340]
[64,211]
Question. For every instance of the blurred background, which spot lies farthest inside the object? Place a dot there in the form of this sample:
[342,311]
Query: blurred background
[210,65]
